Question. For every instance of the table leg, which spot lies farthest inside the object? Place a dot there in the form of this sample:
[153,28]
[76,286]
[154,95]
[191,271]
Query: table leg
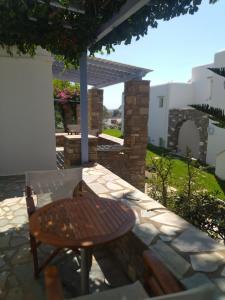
[86,257]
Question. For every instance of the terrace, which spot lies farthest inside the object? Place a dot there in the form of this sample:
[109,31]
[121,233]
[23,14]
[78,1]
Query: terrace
[194,258]
[117,169]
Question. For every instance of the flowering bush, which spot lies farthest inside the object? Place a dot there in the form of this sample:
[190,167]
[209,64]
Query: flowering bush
[67,95]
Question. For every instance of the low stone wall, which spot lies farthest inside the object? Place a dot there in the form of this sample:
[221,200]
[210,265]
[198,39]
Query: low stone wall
[59,138]
[72,150]
[105,139]
[194,258]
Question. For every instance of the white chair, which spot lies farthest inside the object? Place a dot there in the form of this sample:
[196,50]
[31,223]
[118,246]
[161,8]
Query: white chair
[43,187]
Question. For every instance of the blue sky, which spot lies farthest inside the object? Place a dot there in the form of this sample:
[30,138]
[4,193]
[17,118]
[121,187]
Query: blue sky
[173,48]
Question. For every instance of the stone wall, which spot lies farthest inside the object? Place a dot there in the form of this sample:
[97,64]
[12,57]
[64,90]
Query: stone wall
[72,150]
[136,108]
[176,119]
[95,109]
[126,158]
[105,139]
[59,137]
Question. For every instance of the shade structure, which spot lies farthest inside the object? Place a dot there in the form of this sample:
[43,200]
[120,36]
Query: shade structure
[100,72]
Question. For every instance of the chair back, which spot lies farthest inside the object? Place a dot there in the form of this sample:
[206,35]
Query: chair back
[73,128]
[53,185]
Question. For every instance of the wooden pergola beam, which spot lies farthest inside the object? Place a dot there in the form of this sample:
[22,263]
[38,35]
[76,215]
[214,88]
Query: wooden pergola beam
[127,10]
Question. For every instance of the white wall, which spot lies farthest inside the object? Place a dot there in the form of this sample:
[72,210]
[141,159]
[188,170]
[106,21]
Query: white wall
[158,116]
[220,165]
[201,82]
[218,90]
[177,95]
[216,143]
[180,95]
[27,135]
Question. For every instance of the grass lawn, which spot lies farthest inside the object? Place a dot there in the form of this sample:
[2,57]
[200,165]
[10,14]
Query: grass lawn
[206,177]
[113,132]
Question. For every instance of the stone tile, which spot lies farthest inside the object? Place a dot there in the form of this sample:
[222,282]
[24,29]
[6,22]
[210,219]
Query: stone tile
[3,279]
[18,241]
[169,230]
[220,283]
[9,253]
[206,262]
[152,205]
[113,186]
[7,228]
[15,293]
[195,280]
[2,262]
[12,281]
[98,188]
[20,220]
[3,222]
[125,184]
[165,238]
[137,219]
[104,196]
[196,241]
[21,211]
[4,241]
[96,172]
[146,232]
[22,255]
[169,218]
[90,178]
[147,214]
[176,263]
[120,194]
[137,195]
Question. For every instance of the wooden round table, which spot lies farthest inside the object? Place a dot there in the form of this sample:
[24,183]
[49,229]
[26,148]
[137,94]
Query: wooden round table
[82,222]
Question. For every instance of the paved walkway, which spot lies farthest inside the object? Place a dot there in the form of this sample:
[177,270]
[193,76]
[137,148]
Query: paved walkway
[16,269]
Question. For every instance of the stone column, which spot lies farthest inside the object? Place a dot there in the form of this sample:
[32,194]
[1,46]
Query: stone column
[95,109]
[136,108]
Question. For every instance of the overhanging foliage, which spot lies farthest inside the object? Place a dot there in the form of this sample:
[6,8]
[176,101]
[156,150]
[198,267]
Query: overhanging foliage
[218,71]
[30,23]
[215,114]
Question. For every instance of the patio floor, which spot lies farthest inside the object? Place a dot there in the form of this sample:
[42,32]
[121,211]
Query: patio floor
[16,269]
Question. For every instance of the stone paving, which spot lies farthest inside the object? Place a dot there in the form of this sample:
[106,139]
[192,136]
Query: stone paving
[191,255]
[16,269]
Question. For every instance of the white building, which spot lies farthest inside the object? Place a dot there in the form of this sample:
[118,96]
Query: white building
[172,100]
[27,127]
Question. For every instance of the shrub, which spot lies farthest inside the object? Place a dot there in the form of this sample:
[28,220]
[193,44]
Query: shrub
[204,211]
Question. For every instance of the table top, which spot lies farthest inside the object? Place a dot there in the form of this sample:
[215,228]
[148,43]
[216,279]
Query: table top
[82,222]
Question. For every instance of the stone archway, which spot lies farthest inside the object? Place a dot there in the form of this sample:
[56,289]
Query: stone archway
[177,117]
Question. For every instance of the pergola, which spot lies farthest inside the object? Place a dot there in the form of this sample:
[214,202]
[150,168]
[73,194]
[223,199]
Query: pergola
[100,72]
[76,28]
[128,9]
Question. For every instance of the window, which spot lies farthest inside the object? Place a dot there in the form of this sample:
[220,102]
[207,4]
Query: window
[161,142]
[161,101]
[210,84]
